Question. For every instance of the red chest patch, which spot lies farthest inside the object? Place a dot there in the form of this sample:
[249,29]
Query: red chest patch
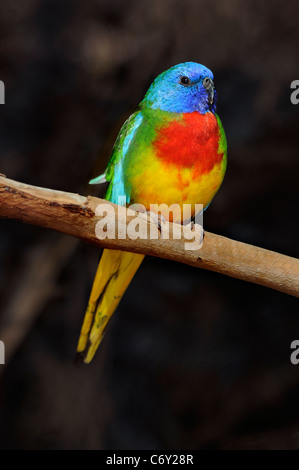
[191,142]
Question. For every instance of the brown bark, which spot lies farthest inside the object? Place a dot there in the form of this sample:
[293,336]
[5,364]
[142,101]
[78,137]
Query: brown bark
[75,215]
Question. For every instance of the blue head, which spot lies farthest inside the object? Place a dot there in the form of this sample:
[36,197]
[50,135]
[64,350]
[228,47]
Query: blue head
[184,88]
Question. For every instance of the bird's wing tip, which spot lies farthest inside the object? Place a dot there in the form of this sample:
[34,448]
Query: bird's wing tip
[99,180]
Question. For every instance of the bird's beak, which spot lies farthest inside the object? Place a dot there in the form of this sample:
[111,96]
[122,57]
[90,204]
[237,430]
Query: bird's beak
[211,93]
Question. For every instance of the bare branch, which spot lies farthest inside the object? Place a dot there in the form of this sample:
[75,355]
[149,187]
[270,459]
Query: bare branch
[75,215]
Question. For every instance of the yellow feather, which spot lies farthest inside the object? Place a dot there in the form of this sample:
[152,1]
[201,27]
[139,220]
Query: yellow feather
[163,183]
[115,272]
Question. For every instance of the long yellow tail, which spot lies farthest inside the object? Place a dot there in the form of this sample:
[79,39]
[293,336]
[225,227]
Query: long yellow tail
[115,272]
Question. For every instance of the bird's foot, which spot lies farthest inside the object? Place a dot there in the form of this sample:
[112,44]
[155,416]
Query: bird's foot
[197,235]
[158,220]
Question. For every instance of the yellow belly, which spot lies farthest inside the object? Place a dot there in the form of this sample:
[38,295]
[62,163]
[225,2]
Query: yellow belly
[158,183]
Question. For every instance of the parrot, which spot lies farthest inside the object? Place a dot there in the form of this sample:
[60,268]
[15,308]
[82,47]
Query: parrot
[171,150]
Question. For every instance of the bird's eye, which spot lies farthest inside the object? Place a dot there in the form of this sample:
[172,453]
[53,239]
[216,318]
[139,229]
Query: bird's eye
[185,81]
[207,82]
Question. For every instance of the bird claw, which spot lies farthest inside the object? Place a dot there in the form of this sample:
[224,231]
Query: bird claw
[198,228]
[199,235]
[158,220]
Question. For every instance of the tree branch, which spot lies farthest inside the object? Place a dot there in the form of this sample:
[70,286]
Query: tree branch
[74,215]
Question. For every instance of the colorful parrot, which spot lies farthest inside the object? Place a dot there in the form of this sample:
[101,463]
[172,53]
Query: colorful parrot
[172,150]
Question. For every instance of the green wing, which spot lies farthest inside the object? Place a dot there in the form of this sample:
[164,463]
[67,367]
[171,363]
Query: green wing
[222,140]
[114,173]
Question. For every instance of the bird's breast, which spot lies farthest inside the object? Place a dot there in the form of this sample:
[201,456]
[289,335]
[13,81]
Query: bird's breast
[181,165]
[191,142]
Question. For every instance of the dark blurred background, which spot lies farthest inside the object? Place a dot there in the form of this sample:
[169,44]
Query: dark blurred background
[192,359]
